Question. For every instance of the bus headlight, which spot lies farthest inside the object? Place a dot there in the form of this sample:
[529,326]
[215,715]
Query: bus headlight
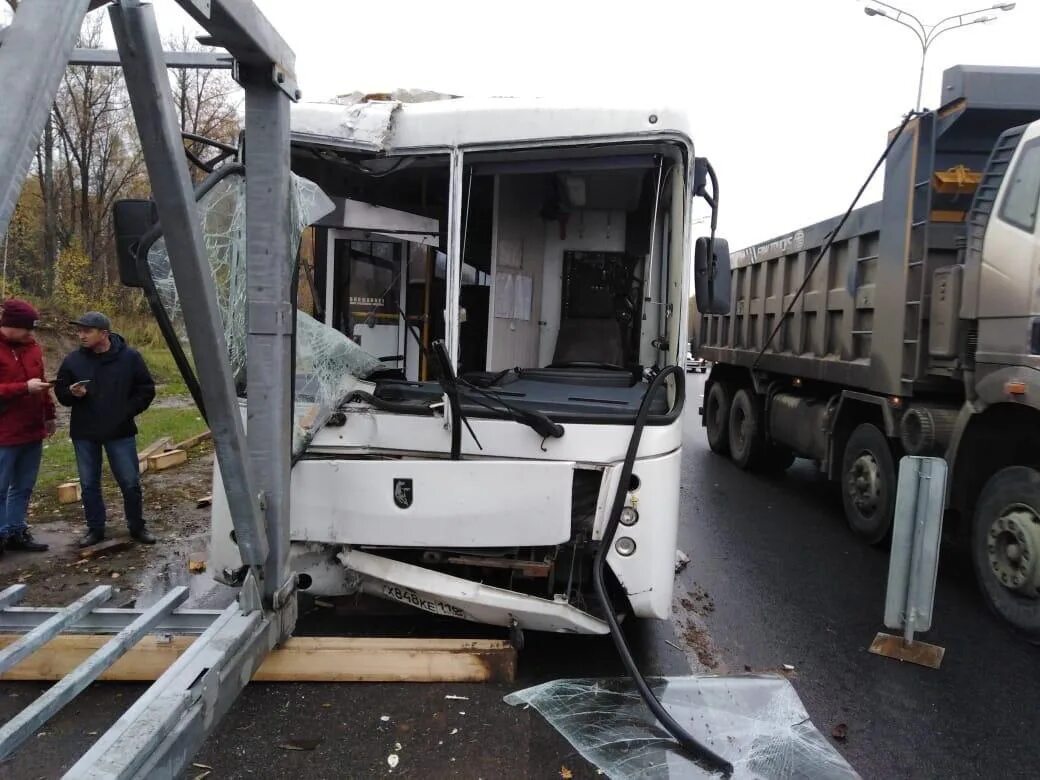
[625,546]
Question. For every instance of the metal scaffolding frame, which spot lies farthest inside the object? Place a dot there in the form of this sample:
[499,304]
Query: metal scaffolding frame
[165,727]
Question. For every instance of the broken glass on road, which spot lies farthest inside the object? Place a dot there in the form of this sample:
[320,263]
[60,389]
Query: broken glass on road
[757,722]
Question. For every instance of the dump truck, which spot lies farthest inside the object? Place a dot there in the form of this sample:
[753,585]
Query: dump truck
[917,332]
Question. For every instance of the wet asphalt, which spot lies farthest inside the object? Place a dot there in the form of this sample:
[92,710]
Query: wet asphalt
[791,586]
[775,578]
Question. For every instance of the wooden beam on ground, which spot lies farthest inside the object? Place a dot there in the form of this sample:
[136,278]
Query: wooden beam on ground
[107,546]
[300,659]
[191,441]
[69,492]
[157,446]
[166,460]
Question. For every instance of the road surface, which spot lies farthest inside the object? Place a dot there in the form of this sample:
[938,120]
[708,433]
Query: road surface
[790,585]
[774,579]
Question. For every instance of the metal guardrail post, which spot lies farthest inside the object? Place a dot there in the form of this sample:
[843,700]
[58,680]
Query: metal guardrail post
[914,561]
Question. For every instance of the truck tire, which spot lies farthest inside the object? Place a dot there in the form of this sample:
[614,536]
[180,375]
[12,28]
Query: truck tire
[868,481]
[716,417]
[1005,547]
[746,444]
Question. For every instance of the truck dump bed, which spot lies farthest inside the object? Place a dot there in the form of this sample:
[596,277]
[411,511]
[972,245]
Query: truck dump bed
[868,317]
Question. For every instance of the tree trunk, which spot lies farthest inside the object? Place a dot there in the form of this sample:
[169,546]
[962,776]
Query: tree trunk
[50,208]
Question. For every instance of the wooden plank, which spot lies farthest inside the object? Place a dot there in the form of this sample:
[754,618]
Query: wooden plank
[300,659]
[69,492]
[155,447]
[191,441]
[107,546]
[166,460]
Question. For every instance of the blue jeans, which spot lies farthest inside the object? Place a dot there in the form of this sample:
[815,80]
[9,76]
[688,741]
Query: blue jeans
[122,457]
[18,468]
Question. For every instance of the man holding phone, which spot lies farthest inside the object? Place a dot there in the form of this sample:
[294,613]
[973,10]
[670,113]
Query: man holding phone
[26,419]
[107,384]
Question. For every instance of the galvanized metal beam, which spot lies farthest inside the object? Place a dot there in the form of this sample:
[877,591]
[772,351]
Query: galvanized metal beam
[270,323]
[32,60]
[53,626]
[196,60]
[12,594]
[14,732]
[107,620]
[140,50]
[245,32]
[165,727]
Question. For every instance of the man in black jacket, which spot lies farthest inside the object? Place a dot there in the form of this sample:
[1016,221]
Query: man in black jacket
[107,384]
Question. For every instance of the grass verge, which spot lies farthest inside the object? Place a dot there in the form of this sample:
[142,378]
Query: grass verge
[59,459]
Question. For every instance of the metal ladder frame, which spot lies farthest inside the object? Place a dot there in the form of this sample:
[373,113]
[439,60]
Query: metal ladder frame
[158,735]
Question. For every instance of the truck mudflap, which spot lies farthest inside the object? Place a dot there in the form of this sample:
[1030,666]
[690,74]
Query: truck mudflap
[450,596]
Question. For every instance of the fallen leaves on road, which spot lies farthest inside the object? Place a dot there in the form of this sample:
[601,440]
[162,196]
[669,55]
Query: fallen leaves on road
[196,567]
[840,732]
[565,773]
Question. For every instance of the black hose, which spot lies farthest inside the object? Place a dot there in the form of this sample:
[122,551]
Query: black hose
[684,738]
[831,238]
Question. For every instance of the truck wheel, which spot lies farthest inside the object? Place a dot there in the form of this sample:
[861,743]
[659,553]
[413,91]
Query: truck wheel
[1005,547]
[716,417]
[869,484]
[745,435]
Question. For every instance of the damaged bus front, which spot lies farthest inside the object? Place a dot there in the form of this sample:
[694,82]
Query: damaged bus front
[488,290]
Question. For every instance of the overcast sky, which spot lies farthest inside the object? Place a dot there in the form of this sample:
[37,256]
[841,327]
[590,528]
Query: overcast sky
[790,100]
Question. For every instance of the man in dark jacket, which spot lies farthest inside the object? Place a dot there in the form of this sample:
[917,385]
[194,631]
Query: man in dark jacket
[26,419]
[107,384]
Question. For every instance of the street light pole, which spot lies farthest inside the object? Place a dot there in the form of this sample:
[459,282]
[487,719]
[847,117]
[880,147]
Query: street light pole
[927,33]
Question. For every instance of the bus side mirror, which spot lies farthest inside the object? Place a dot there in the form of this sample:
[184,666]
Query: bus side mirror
[711,276]
[131,219]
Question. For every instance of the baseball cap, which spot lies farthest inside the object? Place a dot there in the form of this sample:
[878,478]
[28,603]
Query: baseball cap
[93,319]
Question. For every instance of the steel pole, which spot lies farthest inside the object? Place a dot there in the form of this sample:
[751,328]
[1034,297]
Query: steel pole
[920,76]
[148,86]
[270,325]
[36,48]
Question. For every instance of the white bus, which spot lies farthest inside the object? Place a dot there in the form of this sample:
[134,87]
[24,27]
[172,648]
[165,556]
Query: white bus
[520,271]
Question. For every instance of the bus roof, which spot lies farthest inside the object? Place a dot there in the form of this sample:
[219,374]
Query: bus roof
[391,126]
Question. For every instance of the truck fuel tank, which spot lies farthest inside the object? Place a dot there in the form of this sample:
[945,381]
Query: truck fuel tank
[800,423]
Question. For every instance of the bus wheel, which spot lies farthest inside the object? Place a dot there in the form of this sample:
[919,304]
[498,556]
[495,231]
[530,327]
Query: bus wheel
[746,444]
[869,484]
[1005,547]
[716,417]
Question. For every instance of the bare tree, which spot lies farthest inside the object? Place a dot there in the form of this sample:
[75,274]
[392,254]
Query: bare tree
[92,117]
[207,101]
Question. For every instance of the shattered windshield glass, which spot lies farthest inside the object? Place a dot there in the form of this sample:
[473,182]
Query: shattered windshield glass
[757,722]
[328,363]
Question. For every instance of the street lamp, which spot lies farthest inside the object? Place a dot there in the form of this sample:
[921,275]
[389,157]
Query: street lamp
[927,33]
